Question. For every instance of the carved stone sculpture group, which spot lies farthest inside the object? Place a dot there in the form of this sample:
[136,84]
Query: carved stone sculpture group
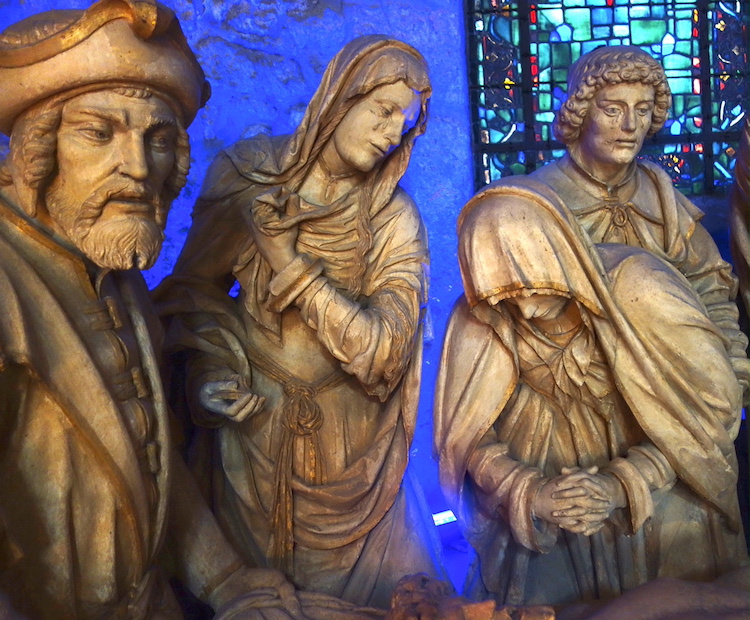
[589,392]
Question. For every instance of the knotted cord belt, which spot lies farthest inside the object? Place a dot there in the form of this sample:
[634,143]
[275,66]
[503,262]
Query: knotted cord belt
[303,418]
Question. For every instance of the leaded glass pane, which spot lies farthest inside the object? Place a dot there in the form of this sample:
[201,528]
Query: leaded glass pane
[524,50]
[729,67]
[683,162]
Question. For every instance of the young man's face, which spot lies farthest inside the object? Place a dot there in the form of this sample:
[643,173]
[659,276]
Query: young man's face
[114,154]
[617,122]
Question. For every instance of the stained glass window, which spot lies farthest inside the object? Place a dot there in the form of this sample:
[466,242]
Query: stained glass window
[520,52]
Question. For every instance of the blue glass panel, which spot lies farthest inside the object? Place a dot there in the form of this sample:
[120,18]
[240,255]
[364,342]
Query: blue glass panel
[621,31]
[677,62]
[501,29]
[640,12]
[647,31]
[668,44]
[669,29]
[580,20]
[725,158]
[729,64]
[621,15]
[601,17]
[565,32]
[549,19]
[589,46]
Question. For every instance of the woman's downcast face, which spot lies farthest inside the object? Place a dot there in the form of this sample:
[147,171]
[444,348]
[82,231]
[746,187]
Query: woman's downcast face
[540,306]
[374,126]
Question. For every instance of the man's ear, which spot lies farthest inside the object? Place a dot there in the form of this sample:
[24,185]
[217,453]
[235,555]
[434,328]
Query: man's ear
[27,197]
[34,135]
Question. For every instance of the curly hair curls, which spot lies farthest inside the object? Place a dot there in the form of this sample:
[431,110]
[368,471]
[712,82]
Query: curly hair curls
[602,67]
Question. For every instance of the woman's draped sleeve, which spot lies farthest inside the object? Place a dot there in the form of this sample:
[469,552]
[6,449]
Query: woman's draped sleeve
[373,337]
[506,488]
[194,304]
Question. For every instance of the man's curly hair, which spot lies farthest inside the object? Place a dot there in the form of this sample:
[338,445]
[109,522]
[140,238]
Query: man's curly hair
[602,67]
[33,146]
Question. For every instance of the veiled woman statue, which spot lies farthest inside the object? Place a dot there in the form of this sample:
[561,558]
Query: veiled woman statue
[585,410]
[310,377]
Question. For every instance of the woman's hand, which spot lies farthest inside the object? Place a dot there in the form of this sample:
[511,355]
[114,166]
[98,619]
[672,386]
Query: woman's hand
[579,500]
[279,249]
[570,495]
[227,399]
[275,234]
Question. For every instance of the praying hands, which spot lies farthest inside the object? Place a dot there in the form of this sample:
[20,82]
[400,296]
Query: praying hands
[579,500]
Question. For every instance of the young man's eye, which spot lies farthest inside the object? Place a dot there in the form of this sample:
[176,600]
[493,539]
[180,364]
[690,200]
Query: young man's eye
[159,142]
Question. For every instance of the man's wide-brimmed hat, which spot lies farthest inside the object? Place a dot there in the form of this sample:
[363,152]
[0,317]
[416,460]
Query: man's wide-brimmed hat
[136,42]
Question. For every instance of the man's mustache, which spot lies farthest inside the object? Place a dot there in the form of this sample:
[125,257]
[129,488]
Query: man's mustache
[132,192]
[136,194]
[93,206]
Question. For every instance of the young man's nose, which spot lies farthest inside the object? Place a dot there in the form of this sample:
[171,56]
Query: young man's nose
[629,120]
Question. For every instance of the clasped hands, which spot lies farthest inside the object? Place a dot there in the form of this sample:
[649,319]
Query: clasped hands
[579,500]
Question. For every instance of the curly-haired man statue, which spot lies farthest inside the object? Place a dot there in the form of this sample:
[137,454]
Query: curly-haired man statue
[591,382]
[618,96]
[92,498]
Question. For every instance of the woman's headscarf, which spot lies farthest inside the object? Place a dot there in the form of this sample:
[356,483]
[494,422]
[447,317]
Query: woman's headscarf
[511,247]
[253,180]
[361,66]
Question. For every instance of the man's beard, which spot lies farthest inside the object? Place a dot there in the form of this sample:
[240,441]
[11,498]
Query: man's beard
[123,242]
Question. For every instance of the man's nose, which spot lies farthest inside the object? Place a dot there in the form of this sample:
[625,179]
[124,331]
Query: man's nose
[629,120]
[133,158]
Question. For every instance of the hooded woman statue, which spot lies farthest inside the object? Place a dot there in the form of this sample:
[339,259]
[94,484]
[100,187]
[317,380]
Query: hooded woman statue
[310,377]
[585,410]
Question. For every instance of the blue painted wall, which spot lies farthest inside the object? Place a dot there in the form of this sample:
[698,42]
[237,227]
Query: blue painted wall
[264,59]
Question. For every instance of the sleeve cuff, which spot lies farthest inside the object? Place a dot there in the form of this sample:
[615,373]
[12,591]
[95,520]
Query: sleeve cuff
[292,280]
[640,502]
[531,532]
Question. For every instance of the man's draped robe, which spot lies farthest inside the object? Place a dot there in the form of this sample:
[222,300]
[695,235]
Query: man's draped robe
[85,451]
